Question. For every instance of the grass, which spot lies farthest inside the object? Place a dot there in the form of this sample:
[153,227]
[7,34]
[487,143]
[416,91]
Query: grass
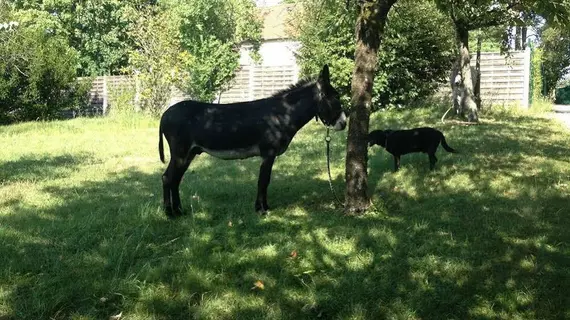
[485,236]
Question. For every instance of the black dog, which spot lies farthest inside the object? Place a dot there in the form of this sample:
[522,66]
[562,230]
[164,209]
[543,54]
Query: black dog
[399,142]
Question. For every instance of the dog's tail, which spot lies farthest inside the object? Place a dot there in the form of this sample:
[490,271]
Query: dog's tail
[160,143]
[446,146]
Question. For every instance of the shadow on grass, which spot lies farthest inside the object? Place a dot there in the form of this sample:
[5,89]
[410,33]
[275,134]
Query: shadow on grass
[455,243]
[41,167]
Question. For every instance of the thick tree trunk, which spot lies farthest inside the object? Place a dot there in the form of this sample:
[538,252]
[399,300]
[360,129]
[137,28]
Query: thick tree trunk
[468,107]
[369,30]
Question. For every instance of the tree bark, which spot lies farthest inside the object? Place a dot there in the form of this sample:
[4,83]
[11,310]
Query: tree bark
[369,30]
[524,32]
[468,105]
[518,38]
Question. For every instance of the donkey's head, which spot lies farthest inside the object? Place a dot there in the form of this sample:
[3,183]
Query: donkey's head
[328,100]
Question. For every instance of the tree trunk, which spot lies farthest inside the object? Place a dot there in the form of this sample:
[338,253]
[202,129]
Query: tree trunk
[468,106]
[524,32]
[369,30]
[518,38]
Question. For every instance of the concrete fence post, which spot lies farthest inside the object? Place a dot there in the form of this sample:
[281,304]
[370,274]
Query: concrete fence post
[527,66]
[105,95]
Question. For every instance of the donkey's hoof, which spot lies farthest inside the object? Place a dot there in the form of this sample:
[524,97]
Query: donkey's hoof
[168,211]
[261,210]
[173,213]
[178,212]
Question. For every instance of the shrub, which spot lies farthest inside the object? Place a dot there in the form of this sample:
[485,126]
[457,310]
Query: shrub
[563,95]
[38,72]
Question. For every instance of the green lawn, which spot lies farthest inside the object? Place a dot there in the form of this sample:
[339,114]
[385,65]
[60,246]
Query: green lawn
[485,236]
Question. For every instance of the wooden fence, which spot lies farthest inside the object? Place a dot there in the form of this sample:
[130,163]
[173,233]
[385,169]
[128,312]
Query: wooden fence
[251,82]
[504,80]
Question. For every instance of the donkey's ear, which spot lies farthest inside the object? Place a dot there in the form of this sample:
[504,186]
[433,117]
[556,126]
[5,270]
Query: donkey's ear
[325,75]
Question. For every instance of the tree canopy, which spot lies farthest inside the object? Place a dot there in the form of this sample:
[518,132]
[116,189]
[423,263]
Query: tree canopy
[555,45]
[413,61]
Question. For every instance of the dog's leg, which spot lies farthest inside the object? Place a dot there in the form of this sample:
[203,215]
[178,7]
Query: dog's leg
[396,162]
[432,161]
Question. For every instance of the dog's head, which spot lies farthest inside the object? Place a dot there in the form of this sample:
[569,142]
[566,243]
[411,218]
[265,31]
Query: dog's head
[378,137]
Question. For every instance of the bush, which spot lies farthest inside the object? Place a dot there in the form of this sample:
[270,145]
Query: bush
[122,99]
[563,95]
[38,73]
[536,85]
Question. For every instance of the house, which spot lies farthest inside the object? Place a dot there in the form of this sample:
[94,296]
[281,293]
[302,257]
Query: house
[277,48]
[278,66]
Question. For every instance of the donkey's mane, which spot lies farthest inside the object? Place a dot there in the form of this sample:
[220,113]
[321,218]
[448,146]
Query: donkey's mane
[300,84]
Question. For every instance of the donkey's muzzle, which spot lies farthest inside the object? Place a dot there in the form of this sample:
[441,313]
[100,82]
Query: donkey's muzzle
[340,123]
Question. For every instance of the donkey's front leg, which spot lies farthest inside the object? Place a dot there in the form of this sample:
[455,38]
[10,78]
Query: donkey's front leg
[262,184]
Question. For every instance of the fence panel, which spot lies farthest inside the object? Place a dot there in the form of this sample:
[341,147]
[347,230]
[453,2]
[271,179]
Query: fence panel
[503,80]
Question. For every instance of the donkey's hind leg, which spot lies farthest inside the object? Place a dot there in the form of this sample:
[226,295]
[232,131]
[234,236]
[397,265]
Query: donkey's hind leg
[171,184]
[167,190]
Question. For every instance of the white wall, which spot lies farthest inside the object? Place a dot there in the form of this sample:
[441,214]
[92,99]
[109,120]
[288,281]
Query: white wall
[273,53]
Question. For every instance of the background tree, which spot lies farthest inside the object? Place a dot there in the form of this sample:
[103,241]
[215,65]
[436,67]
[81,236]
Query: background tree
[159,62]
[211,31]
[470,15]
[555,45]
[96,29]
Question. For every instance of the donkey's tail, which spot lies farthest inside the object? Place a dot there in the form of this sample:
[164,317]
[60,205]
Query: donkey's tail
[446,146]
[160,144]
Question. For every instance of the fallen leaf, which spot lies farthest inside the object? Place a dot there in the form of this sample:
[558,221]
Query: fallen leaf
[117,316]
[293,254]
[258,285]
